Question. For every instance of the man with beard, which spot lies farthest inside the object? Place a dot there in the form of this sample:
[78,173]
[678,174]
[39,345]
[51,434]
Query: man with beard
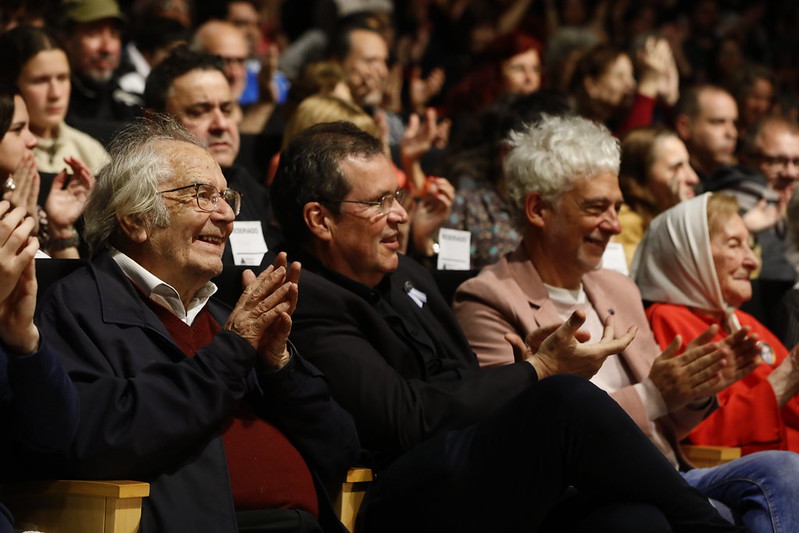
[91,32]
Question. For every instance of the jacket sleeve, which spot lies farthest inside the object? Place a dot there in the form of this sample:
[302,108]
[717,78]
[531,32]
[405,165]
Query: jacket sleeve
[42,404]
[485,319]
[296,398]
[136,421]
[394,407]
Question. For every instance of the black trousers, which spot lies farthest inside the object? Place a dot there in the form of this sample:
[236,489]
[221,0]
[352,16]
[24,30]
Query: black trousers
[509,473]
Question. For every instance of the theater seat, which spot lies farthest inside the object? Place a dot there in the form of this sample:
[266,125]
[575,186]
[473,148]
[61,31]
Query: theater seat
[69,506]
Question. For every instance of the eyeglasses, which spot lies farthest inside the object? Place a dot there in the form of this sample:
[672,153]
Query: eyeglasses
[208,196]
[384,203]
[779,160]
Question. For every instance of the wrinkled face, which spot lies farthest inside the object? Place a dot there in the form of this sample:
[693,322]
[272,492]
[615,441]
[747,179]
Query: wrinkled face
[95,49]
[778,158]
[671,177]
[245,17]
[188,252]
[201,101]
[364,242]
[578,225]
[521,74]
[616,86]
[45,86]
[17,141]
[230,44]
[366,67]
[733,258]
[758,102]
[713,133]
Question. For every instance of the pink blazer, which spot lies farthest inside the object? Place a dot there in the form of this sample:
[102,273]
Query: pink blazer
[510,297]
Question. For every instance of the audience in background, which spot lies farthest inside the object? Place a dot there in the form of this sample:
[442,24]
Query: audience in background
[56,219]
[36,62]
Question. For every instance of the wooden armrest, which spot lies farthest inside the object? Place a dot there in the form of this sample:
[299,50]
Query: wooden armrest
[352,492]
[704,456]
[68,506]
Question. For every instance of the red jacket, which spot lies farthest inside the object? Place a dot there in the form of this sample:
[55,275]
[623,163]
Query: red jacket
[748,416]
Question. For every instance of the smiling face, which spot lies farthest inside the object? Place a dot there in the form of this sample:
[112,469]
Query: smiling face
[202,102]
[521,74]
[363,242]
[17,141]
[576,228]
[733,258]
[671,177]
[45,86]
[187,253]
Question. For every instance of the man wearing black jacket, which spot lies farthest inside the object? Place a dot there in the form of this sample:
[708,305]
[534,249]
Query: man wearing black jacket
[456,448]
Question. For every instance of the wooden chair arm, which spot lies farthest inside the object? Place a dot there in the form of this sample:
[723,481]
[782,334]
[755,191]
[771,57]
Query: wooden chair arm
[705,456]
[67,506]
[352,492]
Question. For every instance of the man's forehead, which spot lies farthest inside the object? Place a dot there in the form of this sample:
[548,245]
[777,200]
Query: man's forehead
[191,91]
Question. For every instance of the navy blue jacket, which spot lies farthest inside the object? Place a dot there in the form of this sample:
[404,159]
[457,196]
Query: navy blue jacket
[150,413]
[38,409]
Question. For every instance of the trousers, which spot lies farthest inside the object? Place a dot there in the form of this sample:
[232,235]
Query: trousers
[508,473]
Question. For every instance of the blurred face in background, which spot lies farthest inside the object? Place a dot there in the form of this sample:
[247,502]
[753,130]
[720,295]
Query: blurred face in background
[45,85]
[17,141]
[521,73]
[366,67]
[95,49]
[616,86]
[671,177]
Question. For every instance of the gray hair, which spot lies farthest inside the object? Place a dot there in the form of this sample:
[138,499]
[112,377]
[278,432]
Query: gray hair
[129,183]
[551,155]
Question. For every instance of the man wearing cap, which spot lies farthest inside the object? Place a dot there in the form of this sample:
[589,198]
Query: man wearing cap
[91,32]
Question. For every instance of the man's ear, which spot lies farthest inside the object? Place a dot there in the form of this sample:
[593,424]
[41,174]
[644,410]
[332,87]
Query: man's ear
[682,124]
[318,220]
[134,228]
[535,208]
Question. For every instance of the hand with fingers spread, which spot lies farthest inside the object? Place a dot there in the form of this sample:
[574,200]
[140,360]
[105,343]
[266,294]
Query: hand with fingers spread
[17,280]
[562,349]
[692,376]
[262,315]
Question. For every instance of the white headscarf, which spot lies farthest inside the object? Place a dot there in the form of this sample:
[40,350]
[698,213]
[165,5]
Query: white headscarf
[674,262]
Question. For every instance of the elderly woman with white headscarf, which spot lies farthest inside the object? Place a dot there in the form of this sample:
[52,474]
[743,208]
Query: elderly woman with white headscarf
[694,264]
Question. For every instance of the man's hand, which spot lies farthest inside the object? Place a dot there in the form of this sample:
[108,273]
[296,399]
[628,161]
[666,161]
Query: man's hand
[17,280]
[696,374]
[262,315]
[430,213]
[561,349]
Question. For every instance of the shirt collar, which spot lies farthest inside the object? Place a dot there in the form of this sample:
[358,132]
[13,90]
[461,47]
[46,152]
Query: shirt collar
[161,292]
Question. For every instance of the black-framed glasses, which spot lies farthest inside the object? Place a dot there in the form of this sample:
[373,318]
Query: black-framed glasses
[384,203]
[208,196]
